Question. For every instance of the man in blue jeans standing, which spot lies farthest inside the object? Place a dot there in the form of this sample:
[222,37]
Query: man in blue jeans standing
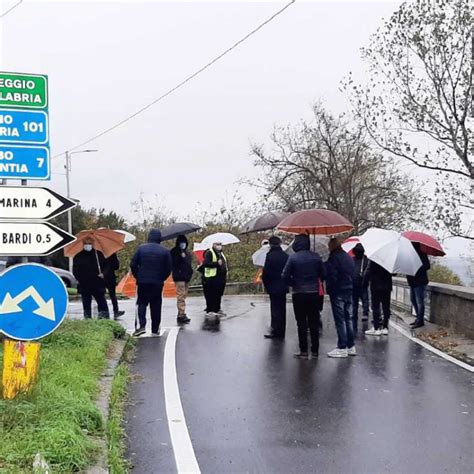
[339,282]
[418,285]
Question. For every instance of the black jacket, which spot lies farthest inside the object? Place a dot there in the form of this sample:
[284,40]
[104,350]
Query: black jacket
[304,269]
[271,276]
[112,264]
[208,263]
[360,267]
[379,278]
[182,266]
[151,263]
[339,272]
[421,277]
[86,268]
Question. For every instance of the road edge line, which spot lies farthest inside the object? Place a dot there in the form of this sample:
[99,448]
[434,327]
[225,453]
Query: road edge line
[427,346]
[183,450]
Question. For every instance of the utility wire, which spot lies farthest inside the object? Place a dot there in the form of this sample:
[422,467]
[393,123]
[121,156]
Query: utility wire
[182,83]
[3,15]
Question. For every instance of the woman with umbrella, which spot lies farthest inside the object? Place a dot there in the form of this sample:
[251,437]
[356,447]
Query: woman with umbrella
[182,273]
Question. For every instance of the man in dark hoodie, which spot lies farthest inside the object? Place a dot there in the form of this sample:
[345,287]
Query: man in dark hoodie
[380,289]
[418,285]
[151,266]
[359,293]
[182,274]
[276,288]
[339,283]
[303,272]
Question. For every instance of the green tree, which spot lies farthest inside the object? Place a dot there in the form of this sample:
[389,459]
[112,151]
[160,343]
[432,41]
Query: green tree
[441,274]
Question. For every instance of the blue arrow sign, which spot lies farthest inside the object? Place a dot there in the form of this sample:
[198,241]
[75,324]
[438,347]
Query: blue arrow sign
[23,127]
[24,162]
[33,302]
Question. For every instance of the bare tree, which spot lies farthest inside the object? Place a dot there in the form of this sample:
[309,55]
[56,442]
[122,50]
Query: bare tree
[417,101]
[329,164]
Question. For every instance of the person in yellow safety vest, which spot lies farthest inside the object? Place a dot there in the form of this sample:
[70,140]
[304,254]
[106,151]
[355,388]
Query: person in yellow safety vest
[214,279]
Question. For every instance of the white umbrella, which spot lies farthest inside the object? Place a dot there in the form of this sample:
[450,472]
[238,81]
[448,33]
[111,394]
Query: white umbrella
[391,251]
[128,236]
[225,238]
[258,257]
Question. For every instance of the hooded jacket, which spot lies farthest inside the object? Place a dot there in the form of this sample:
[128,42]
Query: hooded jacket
[271,276]
[339,272]
[360,266]
[151,263]
[182,266]
[304,269]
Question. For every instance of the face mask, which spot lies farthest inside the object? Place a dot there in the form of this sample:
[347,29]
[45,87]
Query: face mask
[218,248]
[87,247]
[182,245]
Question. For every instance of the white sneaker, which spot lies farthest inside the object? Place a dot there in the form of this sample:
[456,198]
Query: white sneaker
[352,351]
[338,353]
[373,332]
[384,332]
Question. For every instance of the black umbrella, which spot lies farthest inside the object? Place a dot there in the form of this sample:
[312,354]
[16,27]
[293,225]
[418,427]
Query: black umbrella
[178,228]
[267,221]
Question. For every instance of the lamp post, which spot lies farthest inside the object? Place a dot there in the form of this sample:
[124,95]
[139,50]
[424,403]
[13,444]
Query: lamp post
[68,185]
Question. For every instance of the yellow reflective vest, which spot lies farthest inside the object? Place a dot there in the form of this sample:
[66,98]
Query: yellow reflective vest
[212,272]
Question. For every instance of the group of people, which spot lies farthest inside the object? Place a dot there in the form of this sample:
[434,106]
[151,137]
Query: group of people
[345,278]
[347,281]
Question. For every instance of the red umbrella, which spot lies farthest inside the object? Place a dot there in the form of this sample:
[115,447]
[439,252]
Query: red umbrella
[428,244]
[349,244]
[315,221]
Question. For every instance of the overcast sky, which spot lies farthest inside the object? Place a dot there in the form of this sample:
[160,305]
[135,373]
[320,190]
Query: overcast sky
[107,59]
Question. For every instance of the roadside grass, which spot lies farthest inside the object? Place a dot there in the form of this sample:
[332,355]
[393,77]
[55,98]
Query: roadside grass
[117,462]
[59,418]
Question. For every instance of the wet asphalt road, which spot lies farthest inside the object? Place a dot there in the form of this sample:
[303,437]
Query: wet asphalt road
[251,407]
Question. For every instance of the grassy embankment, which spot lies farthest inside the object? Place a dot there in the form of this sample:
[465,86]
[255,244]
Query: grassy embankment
[59,419]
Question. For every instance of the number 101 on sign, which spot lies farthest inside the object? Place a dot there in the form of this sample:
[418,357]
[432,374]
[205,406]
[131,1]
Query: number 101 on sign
[24,162]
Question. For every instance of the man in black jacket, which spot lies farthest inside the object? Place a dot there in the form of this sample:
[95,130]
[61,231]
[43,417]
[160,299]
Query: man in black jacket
[339,283]
[151,266]
[380,288]
[112,264]
[303,272]
[88,269]
[418,285]
[359,293]
[182,274]
[276,288]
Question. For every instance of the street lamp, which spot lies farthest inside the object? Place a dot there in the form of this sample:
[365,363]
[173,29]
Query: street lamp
[68,184]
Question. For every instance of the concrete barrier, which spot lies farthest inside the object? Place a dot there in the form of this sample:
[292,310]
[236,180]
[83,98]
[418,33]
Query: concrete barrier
[450,306]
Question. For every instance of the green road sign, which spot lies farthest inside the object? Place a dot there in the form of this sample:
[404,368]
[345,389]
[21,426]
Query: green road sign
[23,90]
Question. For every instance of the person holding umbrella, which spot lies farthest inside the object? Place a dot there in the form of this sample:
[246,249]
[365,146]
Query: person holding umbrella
[359,293]
[303,272]
[380,281]
[418,284]
[276,287]
[339,285]
[214,280]
[112,264]
[182,273]
[151,266]
[88,269]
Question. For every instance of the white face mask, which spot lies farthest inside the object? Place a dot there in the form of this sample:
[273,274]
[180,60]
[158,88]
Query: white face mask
[87,247]
[182,246]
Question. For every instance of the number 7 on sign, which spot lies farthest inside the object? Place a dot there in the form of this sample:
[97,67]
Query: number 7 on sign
[40,162]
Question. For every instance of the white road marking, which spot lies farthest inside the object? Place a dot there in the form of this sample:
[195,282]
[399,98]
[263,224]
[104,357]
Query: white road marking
[185,458]
[449,358]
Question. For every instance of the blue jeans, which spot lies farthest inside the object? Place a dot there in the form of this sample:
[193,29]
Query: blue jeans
[417,296]
[341,304]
